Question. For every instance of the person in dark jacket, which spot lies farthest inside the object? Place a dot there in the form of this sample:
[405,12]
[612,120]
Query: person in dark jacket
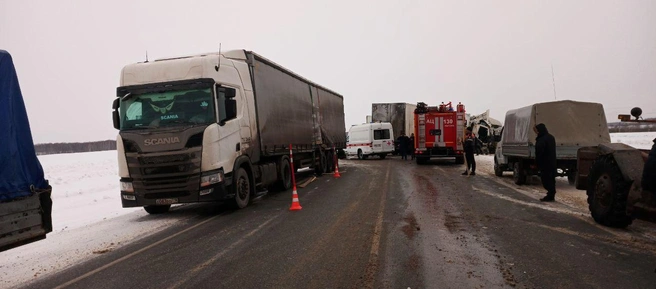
[404,141]
[470,147]
[649,171]
[545,156]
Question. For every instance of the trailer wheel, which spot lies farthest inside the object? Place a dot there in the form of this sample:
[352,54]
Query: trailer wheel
[320,168]
[607,193]
[242,189]
[519,175]
[360,155]
[285,177]
[159,209]
[497,168]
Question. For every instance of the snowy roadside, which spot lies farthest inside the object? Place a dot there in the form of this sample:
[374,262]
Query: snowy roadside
[87,218]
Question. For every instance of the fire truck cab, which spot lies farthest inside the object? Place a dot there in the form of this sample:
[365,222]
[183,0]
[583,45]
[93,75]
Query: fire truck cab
[439,132]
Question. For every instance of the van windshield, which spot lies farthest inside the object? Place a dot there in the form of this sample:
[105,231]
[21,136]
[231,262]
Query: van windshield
[168,108]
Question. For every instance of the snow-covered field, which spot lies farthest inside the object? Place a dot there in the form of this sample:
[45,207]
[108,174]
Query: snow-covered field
[88,217]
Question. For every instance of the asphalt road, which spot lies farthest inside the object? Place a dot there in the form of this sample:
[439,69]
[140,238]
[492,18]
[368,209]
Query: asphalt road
[383,224]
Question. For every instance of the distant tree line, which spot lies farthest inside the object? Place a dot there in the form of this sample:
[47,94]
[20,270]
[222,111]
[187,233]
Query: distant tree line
[75,147]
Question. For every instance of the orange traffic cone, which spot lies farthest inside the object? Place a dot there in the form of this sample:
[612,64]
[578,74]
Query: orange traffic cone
[295,204]
[336,174]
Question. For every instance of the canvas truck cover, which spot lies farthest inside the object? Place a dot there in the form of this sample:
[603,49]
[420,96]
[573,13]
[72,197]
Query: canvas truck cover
[293,110]
[572,123]
[19,167]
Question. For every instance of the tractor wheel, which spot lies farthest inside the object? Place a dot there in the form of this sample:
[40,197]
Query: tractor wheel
[607,193]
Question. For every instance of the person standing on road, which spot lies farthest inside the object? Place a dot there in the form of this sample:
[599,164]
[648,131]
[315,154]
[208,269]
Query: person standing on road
[469,147]
[545,156]
[412,145]
[403,145]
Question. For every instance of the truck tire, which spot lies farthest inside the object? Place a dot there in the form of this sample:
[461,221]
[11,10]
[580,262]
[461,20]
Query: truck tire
[519,175]
[285,177]
[460,160]
[497,168]
[320,167]
[421,160]
[360,155]
[607,193]
[241,187]
[157,209]
[571,176]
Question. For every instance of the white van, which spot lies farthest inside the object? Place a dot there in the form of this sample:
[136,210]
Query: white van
[369,139]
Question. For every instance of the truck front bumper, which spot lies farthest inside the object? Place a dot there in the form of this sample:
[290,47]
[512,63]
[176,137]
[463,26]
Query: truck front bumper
[213,193]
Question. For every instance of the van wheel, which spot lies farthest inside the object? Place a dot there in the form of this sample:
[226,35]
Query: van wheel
[241,187]
[382,156]
[519,175]
[360,155]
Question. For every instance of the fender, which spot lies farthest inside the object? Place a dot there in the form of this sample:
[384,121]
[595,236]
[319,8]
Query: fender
[240,160]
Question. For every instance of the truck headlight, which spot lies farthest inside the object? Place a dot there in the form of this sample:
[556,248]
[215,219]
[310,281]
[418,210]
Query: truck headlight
[127,187]
[210,179]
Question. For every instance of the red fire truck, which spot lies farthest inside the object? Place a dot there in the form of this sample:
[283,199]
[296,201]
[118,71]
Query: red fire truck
[439,132]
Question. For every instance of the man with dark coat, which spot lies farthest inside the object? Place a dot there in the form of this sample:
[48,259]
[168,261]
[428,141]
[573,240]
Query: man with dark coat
[469,147]
[649,172]
[404,141]
[545,156]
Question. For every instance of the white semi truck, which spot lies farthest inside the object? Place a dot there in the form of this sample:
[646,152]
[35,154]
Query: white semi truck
[217,127]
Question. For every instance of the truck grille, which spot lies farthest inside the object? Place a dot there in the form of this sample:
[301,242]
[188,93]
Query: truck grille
[165,174]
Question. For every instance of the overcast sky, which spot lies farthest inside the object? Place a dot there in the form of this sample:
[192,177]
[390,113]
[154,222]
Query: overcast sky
[493,55]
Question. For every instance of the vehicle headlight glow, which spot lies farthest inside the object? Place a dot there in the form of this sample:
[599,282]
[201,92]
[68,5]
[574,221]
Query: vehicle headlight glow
[127,187]
[210,179]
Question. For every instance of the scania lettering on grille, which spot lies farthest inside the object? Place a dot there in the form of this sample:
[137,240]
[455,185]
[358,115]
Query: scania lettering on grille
[161,141]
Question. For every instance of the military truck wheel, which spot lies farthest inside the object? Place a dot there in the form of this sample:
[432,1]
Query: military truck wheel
[157,209]
[607,193]
[360,155]
[285,177]
[460,160]
[497,168]
[241,187]
[519,175]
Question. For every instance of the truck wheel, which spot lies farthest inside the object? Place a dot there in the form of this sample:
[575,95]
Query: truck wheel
[360,155]
[285,177]
[320,168]
[497,168]
[519,175]
[241,187]
[571,176]
[460,160]
[421,160]
[154,210]
[607,193]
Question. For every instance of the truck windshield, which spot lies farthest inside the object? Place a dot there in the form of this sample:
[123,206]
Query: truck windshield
[169,108]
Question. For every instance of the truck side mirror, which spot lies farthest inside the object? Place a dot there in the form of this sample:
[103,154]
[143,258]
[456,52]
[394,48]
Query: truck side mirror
[117,119]
[115,116]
